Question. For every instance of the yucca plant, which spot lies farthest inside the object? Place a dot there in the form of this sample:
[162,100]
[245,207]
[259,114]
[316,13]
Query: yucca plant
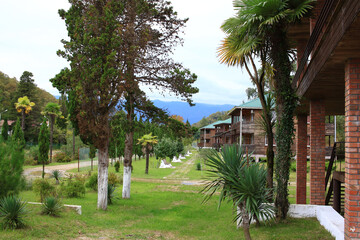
[56,174]
[51,206]
[12,212]
[242,183]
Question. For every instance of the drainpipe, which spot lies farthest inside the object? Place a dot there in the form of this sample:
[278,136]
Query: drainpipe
[335,128]
[240,127]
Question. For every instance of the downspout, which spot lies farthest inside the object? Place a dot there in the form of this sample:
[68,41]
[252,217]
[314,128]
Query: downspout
[240,130]
[335,129]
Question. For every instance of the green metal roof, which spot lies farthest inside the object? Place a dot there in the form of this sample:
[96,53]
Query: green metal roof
[227,121]
[212,126]
[251,104]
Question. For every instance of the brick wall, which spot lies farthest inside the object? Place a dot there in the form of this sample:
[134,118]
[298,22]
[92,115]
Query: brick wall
[317,152]
[301,156]
[352,149]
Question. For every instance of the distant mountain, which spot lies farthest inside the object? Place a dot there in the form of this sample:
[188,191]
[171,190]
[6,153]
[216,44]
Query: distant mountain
[193,114]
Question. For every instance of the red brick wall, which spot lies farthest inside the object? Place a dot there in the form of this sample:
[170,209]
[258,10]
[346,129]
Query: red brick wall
[352,149]
[317,152]
[301,156]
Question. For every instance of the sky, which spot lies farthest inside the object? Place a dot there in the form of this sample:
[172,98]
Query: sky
[31,31]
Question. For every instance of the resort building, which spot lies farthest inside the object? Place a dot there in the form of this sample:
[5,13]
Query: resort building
[328,82]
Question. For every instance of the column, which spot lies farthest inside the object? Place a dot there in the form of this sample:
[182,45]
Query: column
[301,159]
[317,152]
[352,149]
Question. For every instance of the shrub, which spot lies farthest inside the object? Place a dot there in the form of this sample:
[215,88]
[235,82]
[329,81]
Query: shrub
[11,168]
[56,174]
[111,193]
[61,157]
[117,166]
[113,179]
[93,182]
[43,188]
[31,156]
[73,188]
[12,212]
[198,166]
[51,206]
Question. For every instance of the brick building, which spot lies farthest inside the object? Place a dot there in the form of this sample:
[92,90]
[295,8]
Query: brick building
[328,82]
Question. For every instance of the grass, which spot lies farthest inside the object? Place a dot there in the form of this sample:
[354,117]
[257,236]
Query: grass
[156,210]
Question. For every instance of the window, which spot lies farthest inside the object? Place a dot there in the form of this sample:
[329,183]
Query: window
[329,119]
[248,139]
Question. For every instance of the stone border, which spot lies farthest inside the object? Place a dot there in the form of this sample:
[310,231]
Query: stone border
[77,208]
[331,220]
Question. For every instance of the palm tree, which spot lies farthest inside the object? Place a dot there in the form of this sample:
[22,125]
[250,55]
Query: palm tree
[263,24]
[239,49]
[52,111]
[147,141]
[24,106]
[240,182]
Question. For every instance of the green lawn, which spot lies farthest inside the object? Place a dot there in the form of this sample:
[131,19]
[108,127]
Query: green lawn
[156,210]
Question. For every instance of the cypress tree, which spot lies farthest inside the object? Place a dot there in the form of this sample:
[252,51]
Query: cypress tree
[5,130]
[43,145]
[18,136]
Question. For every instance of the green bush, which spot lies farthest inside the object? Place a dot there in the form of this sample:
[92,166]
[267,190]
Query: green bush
[93,182]
[117,166]
[198,166]
[11,168]
[111,193]
[12,212]
[113,179]
[51,206]
[73,188]
[43,188]
[31,156]
[61,157]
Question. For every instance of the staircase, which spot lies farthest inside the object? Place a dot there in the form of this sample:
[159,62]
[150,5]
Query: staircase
[335,188]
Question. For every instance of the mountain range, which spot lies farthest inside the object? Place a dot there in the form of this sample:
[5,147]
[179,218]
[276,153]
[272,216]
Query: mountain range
[192,114]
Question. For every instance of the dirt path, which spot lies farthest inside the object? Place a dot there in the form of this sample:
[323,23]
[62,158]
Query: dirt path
[36,171]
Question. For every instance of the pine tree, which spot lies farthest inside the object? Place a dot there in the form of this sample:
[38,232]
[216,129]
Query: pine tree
[18,136]
[5,130]
[43,145]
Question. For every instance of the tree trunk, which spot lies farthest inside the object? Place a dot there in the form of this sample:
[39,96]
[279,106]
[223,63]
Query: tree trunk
[51,135]
[127,164]
[23,120]
[245,222]
[147,162]
[73,145]
[285,106]
[103,164]
[43,170]
[91,164]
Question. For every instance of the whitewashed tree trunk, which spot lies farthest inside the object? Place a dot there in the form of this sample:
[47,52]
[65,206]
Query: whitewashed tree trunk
[126,182]
[103,164]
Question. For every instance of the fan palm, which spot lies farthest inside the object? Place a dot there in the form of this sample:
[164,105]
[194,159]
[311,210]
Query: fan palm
[52,111]
[147,141]
[242,183]
[24,106]
[259,29]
